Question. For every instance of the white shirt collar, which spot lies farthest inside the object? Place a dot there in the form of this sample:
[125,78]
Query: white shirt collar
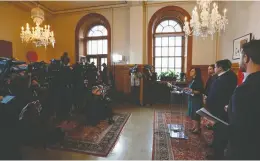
[245,76]
[222,73]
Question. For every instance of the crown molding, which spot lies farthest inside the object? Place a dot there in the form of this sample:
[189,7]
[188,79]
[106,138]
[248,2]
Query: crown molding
[32,4]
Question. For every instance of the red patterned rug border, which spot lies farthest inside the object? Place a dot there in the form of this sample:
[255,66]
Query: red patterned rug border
[97,154]
[161,131]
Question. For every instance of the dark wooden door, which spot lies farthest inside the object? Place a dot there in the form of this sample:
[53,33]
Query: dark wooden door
[6,49]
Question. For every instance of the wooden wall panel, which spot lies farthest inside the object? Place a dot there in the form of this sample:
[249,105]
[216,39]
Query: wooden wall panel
[122,79]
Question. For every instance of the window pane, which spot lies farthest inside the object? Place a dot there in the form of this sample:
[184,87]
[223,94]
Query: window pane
[178,28]
[158,71]
[171,41]
[165,41]
[103,60]
[178,51]
[178,62]
[172,69]
[165,51]
[159,29]
[104,31]
[164,69]
[171,62]
[178,41]
[97,33]
[158,62]
[178,70]
[94,47]
[168,29]
[165,62]
[89,48]
[104,46]
[171,51]
[93,60]
[100,46]
[90,33]
[165,23]
[158,51]
[158,41]
[172,23]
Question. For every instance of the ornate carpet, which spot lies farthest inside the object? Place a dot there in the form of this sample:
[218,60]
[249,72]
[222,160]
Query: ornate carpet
[98,140]
[166,148]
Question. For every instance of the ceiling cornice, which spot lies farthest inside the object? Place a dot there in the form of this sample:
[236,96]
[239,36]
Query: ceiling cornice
[32,4]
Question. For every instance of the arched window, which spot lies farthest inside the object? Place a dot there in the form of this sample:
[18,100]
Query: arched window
[97,46]
[168,46]
[93,39]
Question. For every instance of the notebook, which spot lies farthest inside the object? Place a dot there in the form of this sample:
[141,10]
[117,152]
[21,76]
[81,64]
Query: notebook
[7,99]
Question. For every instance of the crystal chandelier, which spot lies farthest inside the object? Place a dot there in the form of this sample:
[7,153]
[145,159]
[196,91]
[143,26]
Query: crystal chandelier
[38,35]
[205,23]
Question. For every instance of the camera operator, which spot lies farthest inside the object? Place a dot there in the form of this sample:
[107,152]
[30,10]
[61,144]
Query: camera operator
[92,75]
[78,85]
[99,109]
[65,88]
[104,74]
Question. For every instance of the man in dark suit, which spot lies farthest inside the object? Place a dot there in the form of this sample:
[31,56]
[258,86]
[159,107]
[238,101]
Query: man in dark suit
[244,111]
[220,93]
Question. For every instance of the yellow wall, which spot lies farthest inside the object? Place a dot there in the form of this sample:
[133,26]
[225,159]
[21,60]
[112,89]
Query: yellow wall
[126,38]
[12,18]
[127,33]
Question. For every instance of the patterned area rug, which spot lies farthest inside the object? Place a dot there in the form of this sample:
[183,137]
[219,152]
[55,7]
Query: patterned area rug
[166,148]
[97,140]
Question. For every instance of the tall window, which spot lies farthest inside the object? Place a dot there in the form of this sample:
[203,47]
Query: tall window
[168,47]
[97,45]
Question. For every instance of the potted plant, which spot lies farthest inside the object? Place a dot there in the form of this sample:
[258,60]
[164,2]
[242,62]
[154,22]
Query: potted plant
[172,75]
[163,76]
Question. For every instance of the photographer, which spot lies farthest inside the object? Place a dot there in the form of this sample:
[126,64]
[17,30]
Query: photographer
[65,88]
[104,74]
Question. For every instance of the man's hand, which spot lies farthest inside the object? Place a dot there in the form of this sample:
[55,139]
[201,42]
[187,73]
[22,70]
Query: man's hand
[1,98]
[226,108]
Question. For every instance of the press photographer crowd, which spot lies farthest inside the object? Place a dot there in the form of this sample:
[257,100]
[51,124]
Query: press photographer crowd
[37,97]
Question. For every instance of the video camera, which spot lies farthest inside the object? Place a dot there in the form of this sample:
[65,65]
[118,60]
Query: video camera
[8,66]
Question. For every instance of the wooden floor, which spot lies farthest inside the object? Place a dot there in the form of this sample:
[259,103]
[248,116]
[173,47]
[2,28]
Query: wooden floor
[134,143]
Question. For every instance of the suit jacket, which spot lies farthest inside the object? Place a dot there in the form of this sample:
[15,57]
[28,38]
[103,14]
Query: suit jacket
[244,119]
[220,93]
[209,83]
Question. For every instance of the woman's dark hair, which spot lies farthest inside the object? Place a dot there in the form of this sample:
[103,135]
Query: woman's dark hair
[198,74]
[198,78]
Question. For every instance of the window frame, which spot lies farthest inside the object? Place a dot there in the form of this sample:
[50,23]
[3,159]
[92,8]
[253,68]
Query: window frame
[169,34]
[88,38]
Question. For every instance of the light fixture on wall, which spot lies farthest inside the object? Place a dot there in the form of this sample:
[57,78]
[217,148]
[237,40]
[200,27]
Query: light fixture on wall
[204,22]
[40,36]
